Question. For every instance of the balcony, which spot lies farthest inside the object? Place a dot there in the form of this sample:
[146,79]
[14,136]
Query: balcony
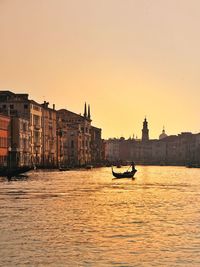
[37,144]
[37,127]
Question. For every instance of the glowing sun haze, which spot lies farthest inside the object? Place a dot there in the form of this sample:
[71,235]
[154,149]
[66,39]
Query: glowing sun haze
[126,58]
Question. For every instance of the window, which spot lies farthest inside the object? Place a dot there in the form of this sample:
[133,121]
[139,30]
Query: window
[36,120]
[36,108]
[24,127]
[72,143]
[36,137]
[3,142]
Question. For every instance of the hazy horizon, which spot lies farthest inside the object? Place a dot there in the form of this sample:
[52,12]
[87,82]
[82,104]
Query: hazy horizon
[127,59]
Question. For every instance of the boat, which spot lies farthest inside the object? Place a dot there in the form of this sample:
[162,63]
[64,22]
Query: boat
[9,173]
[127,174]
[63,169]
[88,167]
[193,165]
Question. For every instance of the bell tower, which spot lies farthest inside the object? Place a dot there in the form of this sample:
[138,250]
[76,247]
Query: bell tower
[145,131]
[89,116]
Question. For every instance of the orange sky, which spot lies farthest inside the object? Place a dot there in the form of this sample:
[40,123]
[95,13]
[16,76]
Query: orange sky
[127,58]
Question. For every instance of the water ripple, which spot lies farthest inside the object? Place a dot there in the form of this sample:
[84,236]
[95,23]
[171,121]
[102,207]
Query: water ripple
[84,218]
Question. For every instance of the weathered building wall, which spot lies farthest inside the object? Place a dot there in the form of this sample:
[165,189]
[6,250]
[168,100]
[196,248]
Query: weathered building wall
[4,139]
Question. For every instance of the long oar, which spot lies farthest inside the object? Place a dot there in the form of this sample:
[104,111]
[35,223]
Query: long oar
[128,168]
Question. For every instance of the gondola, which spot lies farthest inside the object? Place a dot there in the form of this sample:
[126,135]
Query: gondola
[9,173]
[127,174]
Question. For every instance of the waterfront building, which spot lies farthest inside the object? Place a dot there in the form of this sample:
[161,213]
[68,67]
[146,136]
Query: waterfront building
[103,151]
[36,133]
[77,150]
[20,142]
[62,143]
[18,105]
[49,139]
[44,137]
[134,150]
[79,135]
[112,150]
[183,148]
[96,145]
[4,140]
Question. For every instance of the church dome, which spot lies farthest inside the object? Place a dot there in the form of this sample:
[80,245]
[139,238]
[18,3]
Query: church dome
[163,134]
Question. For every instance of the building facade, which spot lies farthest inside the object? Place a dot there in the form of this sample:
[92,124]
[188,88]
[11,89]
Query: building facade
[4,140]
[49,138]
[62,143]
[78,136]
[20,142]
[36,132]
[18,105]
[44,137]
[112,150]
[96,145]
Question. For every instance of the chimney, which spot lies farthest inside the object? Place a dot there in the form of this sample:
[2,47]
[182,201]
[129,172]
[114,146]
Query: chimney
[53,106]
[45,104]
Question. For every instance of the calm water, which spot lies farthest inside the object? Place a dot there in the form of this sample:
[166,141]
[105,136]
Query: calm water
[84,218]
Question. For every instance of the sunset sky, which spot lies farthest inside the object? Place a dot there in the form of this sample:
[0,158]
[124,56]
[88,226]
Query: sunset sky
[127,58]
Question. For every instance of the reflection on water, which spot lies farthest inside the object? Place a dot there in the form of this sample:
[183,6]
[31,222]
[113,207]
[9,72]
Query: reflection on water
[85,218]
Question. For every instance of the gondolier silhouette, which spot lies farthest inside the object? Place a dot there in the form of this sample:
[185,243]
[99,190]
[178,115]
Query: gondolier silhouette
[133,166]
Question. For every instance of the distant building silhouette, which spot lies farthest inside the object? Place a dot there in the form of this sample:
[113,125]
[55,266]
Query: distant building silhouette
[181,149]
[163,134]
[145,131]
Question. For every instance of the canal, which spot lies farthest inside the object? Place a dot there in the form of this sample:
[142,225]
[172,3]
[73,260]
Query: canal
[86,218]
